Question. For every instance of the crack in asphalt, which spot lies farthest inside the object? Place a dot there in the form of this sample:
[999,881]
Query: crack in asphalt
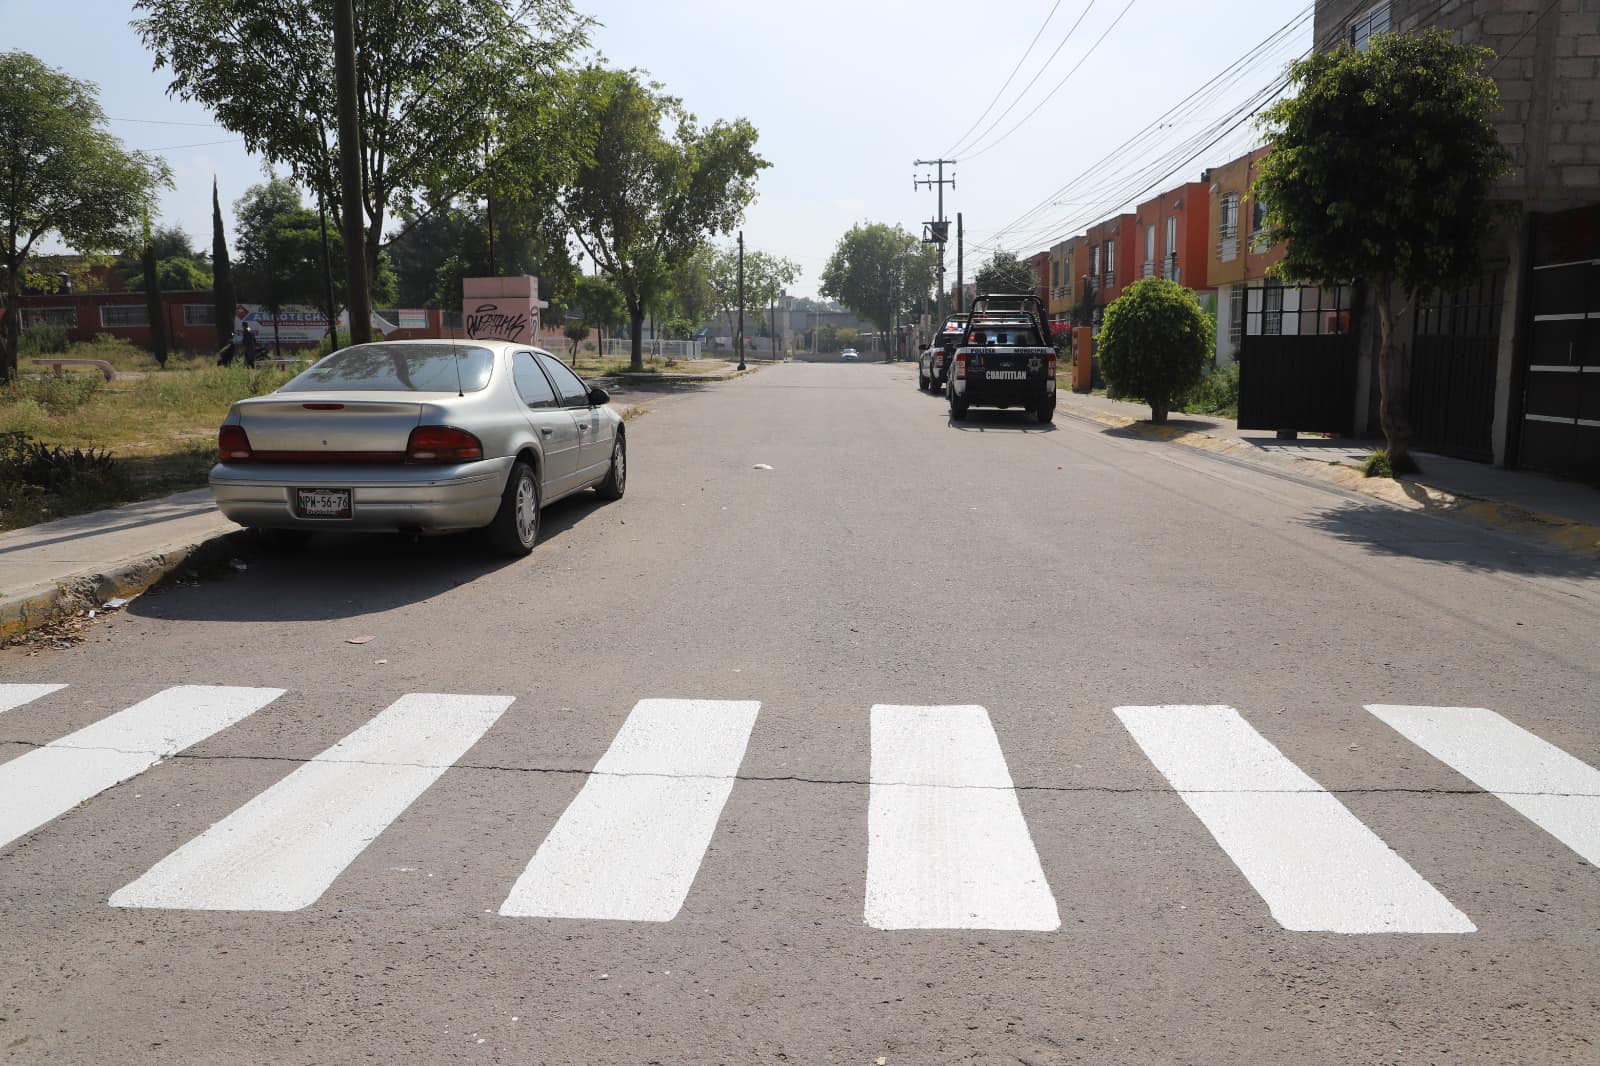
[805,780]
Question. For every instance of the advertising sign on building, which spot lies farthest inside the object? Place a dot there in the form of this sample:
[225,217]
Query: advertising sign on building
[502,309]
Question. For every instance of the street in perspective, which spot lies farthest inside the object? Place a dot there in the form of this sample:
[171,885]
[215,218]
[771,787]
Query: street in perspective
[524,538]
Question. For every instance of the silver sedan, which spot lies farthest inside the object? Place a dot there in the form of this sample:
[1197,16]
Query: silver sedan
[426,436]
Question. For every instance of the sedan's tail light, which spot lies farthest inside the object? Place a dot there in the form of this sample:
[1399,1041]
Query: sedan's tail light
[442,444]
[961,366]
[233,446]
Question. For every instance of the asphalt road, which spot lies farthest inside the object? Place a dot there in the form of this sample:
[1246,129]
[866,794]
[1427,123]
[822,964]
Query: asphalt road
[915,827]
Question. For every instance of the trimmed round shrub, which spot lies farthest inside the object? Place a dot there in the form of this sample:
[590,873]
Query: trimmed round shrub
[1153,344]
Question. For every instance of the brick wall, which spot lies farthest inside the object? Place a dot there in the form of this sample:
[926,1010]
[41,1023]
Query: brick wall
[1548,71]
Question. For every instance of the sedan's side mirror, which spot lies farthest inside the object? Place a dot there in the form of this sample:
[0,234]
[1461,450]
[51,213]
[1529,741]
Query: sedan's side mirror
[598,396]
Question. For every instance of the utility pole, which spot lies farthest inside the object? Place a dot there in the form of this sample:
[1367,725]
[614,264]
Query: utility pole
[940,227]
[740,337]
[357,297]
[961,287]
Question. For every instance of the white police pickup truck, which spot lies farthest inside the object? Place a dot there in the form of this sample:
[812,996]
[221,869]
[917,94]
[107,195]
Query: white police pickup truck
[1004,358]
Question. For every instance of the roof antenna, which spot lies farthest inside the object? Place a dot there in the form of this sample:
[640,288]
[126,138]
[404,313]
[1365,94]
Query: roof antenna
[455,357]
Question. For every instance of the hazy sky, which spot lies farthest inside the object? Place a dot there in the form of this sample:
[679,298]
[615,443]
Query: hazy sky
[845,93]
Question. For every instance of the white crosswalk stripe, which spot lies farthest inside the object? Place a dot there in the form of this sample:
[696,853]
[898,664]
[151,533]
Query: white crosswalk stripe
[629,846]
[282,850]
[49,781]
[1315,864]
[17,695]
[1553,790]
[947,846]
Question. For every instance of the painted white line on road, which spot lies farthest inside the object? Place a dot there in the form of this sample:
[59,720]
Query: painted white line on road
[1318,868]
[282,850]
[630,844]
[16,695]
[51,780]
[947,846]
[1553,790]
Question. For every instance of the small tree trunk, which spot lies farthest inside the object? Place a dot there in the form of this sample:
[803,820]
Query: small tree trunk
[1158,411]
[152,303]
[1394,385]
[13,325]
[636,336]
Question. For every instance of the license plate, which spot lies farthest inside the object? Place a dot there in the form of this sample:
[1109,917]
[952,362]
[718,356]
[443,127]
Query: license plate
[322,503]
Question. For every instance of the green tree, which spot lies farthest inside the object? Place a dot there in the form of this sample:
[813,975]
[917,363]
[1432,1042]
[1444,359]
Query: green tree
[765,277]
[601,304]
[880,271]
[576,332]
[1153,344]
[1382,169]
[62,174]
[651,185]
[223,300]
[437,80]
[1004,272]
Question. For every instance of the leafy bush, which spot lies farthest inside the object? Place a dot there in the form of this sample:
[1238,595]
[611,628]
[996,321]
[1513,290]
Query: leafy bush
[1381,464]
[42,339]
[28,462]
[1153,344]
[1216,394]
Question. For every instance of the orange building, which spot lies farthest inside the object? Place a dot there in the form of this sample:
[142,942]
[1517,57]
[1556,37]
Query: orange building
[1238,253]
[1111,262]
[1173,236]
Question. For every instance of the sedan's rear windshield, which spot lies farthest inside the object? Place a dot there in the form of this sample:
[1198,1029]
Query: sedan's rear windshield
[399,368]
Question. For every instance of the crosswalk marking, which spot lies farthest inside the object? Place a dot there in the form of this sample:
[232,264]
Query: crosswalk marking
[16,695]
[49,781]
[947,846]
[630,844]
[1318,868]
[1553,790]
[281,850]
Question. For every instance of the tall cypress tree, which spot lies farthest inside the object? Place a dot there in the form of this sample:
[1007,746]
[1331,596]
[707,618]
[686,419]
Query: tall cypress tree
[222,295]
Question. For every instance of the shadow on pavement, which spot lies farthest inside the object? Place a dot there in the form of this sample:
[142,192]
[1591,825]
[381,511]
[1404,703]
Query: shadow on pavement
[341,575]
[984,420]
[1383,530]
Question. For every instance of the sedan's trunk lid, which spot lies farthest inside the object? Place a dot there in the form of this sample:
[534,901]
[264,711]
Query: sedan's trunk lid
[328,427]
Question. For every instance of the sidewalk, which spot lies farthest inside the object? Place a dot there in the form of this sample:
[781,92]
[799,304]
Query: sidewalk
[1565,514]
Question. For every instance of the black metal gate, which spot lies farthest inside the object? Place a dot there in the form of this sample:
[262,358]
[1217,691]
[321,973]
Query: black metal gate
[1454,352]
[1560,362]
[1297,358]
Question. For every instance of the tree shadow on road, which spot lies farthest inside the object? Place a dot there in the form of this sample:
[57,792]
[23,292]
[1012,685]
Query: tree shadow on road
[1450,541]
[342,575]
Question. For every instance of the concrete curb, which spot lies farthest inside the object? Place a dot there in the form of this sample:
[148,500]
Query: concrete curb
[1553,530]
[24,611]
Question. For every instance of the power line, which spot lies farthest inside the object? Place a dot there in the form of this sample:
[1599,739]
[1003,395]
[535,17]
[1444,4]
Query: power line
[163,122]
[199,144]
[1047,96]
[1040,72]
[1000,91]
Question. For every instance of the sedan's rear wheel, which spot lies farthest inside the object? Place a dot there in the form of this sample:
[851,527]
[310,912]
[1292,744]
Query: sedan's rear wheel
[616,482]
[515,528]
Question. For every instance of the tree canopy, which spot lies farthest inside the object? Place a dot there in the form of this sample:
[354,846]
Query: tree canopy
[1004,272]
[879,271]
[437,81]
[1382,170]
[650,184]
[765,277]
[62,174]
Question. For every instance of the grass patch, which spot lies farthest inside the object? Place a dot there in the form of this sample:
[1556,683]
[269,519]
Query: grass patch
[160,430]
[1379,464]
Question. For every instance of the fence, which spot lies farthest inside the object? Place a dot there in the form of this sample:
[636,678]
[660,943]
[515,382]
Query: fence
[653,348]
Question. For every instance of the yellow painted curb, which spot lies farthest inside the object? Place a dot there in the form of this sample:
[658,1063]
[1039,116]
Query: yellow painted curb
[1554,530]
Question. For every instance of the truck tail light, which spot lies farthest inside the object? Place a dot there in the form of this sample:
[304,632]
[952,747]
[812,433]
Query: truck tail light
[442,444]
[961,366]
[233,446]
[1050,368]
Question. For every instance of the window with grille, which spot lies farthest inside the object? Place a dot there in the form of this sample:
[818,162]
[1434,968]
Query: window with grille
[1229,224]
[1372,21]
[1111,263]
[1170,260]
[1149,251]
[199,314]
[1236,314]
[64,317]
[124,315]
